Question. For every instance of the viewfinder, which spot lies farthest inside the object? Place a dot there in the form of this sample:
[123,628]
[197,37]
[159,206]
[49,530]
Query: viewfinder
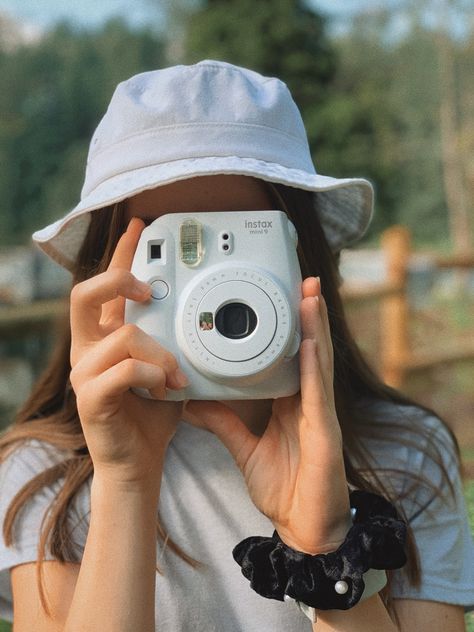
[155,251]
[190,241]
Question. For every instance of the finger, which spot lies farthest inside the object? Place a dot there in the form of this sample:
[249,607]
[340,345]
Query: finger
[323,310]
[127,244]
[312,327]
[130,373]
[319,422]
[127,342]
[227,425]
[313,392]
[88,297]
[311,287]
[123,259]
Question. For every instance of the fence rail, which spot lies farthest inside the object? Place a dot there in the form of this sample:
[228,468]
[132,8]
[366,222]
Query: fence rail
[18,320]
[398,359]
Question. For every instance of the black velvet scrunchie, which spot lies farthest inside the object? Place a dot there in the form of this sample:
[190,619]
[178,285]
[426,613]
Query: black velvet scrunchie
[375,540]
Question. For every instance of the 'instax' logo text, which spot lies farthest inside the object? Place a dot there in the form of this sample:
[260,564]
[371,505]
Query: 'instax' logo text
[258,224]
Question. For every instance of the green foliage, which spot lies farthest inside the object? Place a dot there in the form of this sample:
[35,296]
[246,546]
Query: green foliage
[53,95]
[469,619]
[283,39]
[469,496]
[381,122]
[370,104]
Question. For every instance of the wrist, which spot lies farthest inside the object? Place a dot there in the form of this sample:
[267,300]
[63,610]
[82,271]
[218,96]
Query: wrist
[333,580]
[110,485]
[322,544]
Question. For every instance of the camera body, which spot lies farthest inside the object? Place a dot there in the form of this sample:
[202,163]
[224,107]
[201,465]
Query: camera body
[226,290]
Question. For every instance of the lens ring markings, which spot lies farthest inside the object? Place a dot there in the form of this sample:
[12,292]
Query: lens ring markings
[212,353]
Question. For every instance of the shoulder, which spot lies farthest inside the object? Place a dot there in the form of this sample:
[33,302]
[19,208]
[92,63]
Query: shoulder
[23,507]
[18,468]
[414,452]
[33,452]
[416,455]
[23,464]
[407,432]
[24,461]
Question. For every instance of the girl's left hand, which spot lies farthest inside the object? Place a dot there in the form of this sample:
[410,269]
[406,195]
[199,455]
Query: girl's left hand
[295,471]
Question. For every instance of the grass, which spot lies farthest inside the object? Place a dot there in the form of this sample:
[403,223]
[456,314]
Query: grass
[469,495]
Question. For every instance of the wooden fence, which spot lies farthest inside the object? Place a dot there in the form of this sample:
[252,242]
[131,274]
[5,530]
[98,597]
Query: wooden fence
[398,359]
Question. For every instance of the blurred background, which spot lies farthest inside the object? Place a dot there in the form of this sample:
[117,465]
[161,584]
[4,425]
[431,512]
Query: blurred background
[386,90]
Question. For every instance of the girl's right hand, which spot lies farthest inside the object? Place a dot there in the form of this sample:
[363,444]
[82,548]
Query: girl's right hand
[127,435]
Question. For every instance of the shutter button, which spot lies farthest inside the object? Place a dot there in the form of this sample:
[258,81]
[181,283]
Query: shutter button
[159,289]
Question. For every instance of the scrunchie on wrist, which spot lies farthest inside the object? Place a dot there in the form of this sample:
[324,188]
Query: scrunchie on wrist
[333,580]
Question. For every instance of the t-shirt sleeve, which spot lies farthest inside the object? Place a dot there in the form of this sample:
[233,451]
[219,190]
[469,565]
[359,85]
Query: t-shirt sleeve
[21,466]
[441,528]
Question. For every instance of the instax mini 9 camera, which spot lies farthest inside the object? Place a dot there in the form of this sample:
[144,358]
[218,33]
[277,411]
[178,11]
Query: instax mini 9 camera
[226,289]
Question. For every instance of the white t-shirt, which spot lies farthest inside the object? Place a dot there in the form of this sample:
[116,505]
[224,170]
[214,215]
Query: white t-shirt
[205,507]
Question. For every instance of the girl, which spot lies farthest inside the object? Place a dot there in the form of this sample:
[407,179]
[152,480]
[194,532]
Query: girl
[91,473]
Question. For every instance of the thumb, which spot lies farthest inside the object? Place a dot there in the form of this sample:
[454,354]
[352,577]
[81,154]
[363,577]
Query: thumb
[227,425]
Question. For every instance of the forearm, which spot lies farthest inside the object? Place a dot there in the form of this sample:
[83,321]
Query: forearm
[368,615]
[115,590]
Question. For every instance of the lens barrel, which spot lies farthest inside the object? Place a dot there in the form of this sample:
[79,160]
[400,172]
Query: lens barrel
[236,320]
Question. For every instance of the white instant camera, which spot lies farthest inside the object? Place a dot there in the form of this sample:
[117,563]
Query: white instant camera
[226,290]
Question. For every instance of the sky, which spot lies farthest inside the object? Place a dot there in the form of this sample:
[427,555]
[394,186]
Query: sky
[38,15]
[43,13]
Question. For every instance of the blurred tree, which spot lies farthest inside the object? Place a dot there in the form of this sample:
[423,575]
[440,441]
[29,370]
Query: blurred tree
[342,86]
[359,126]
[375,100]
[454,123]
[466,116]
[54,93]
[284,39]
[370,98]
[416,62]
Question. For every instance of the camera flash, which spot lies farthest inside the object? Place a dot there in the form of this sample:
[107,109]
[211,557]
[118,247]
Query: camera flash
[190,240]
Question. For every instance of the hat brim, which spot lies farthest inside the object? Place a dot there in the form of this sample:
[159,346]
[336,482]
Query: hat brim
[345,205]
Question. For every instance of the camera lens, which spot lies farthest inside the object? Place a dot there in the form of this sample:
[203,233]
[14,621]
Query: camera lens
[235,320]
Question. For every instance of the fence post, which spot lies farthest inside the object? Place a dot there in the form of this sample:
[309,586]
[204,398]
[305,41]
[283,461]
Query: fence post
[394,338]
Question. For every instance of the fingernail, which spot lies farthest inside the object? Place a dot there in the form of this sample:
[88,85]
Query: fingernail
[132,221]
[180,379]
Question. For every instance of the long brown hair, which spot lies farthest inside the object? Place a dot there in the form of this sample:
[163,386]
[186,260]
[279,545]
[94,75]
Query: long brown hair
[50,413]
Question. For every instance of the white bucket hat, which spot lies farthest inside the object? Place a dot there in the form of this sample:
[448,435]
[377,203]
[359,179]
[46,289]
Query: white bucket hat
[208,118]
